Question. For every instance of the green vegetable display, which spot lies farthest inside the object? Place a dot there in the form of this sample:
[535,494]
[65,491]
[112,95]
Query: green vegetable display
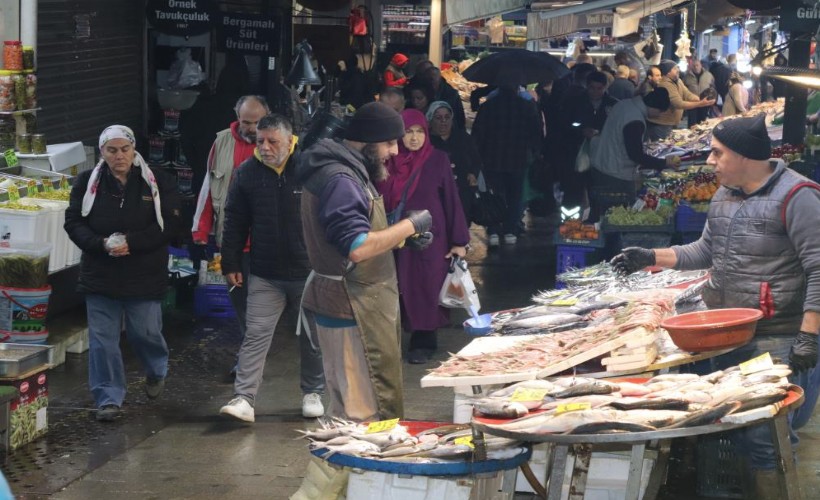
[24,422]
[621,216]
[58,195]
[23,271]
[13,205]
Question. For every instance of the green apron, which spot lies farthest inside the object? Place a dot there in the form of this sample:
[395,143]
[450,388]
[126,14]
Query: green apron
[374,298]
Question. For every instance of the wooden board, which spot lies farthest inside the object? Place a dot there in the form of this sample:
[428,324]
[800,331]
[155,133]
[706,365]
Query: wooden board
[486,345]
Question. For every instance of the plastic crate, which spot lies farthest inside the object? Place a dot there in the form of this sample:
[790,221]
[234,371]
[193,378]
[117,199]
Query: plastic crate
[645,240]
[557,239]
[719,469]
[607,199]
[212,301]
[573,257]
[689,220]
[657,228]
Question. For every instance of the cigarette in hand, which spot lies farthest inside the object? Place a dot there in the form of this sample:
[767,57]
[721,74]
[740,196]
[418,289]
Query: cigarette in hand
[231,290]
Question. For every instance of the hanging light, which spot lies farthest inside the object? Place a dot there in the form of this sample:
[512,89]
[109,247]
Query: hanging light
[798,76]
[302,72]
[747,84]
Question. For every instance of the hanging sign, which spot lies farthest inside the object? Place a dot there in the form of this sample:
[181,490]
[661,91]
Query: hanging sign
[800,15]
[180,17]
[247,33]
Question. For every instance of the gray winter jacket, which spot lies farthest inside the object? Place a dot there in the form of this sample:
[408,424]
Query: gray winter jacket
[754,239]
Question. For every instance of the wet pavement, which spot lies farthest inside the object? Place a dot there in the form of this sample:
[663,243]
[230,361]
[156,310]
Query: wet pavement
[178,447]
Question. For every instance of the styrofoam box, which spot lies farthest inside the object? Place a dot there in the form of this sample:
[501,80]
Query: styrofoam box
[608,473]
[370,484]
[57,235]
[25,226]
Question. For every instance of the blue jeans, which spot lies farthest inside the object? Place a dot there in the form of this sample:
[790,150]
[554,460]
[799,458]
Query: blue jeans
[510,186]
[143,327]
[267,300]
[755,442]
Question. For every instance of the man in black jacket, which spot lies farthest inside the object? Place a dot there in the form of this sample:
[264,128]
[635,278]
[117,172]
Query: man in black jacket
[123,215]
[264,201]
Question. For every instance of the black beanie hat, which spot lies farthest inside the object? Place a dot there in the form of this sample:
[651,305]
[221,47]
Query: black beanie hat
[666,66]
[745,136]
[375,122]
[658,99]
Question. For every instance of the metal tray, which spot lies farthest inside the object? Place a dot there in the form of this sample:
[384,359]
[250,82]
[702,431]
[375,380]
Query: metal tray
[16,359]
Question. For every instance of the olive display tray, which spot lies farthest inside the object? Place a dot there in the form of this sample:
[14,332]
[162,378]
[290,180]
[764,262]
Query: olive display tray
[16,359]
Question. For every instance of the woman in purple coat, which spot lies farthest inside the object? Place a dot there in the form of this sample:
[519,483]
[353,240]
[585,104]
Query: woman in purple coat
[421,175]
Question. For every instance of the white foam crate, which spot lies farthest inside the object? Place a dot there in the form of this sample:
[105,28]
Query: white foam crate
[607,476]
[370,484]
[25,226]
[57,235]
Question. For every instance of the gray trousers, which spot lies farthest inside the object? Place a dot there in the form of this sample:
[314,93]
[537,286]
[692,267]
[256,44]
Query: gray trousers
[239,295]
[267,300]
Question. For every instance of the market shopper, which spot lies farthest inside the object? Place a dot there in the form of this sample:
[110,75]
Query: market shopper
[701,83]
[394,74]
[465,160]
[421,95]
[123,214]
[617,152]
[352,292]
[680,99]
[443,91]
[622,87]
[393,97]
[650,83]
[263,206]
[420,178]
[737,97]
[232,146]
[761,246]
[508,132]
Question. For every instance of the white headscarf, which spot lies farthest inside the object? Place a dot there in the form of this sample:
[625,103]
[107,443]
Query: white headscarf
[121,132]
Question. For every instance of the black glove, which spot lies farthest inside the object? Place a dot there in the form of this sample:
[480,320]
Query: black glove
[419,241]
[803,355]
[421,219]
[632,259]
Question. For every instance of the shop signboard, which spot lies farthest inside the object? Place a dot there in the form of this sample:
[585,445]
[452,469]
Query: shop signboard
[180,17]
[800,15]
[247,33]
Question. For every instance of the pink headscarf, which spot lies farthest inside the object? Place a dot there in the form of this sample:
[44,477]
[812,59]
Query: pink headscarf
[402,166]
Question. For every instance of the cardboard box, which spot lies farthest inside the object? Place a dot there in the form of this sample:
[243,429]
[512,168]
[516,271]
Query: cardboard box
[28,418]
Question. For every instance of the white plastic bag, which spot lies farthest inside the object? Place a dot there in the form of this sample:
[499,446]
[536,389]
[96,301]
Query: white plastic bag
[582,159]
[458,290]
[184,71]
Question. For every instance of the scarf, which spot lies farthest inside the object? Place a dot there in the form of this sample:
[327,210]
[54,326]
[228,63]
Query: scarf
[402,166]
[121,132]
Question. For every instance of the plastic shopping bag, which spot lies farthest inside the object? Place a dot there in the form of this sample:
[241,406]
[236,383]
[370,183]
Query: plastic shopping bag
[458,290]
[582,159]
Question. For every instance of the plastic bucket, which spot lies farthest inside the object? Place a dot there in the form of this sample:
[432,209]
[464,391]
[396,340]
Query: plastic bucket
[55,212]
[23,311]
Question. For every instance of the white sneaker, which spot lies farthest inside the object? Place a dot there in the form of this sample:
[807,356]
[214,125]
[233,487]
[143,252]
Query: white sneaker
[493,240]
[312,406]
[510,239]
[238,408]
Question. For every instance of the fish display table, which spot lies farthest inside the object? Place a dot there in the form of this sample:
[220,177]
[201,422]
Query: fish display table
[655,442]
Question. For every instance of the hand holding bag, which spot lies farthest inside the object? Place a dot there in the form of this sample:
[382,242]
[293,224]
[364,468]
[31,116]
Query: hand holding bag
[458,290]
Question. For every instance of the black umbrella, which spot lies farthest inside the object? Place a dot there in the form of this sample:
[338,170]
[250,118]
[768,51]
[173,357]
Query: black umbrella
[516,67]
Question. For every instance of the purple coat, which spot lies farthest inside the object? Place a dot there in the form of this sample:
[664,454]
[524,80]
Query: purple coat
[421,273]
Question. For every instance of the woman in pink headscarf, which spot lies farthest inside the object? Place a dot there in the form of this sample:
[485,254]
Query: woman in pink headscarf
[421,178]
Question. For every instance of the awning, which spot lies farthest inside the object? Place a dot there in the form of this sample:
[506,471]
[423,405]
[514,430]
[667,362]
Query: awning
[552,19]
[469,10]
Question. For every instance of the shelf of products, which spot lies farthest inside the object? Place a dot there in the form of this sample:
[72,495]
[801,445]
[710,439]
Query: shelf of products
[405,24]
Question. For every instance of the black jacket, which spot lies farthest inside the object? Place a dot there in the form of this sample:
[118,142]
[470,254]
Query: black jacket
[268,207]
[144,273]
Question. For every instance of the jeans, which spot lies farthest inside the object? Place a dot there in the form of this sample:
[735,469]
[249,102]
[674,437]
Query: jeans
[755,442]
[510,186]
[267,300]
[143,326]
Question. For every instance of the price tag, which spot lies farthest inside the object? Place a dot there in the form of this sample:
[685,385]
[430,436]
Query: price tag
[47,185]
[758,364]
[14,193]
[468,440]
[565,302]
[11,158]
[524,394]
[64,183]
[381,426]
[568,407]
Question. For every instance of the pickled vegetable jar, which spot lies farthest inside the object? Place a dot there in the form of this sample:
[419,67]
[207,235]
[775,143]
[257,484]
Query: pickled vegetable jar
[19,90]
[31,90]
[7,135]
[13,55]
[38,144]
[28,57]
[7,99]
[24,143]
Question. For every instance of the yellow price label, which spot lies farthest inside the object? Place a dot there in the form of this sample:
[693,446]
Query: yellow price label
[14,193]
[11,158]
[524,394]
[758,364]
[467,440]
[381,426]
[565,302]
[568,407]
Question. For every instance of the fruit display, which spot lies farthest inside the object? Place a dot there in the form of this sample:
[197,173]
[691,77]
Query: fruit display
[695,185]
[788,152]
[622,216]
[576,230]
[215,264]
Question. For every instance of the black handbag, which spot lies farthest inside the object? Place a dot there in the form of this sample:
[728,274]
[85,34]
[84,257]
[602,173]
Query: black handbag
[487,208]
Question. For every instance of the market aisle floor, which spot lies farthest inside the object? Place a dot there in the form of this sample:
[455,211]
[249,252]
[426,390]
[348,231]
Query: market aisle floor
[177,446]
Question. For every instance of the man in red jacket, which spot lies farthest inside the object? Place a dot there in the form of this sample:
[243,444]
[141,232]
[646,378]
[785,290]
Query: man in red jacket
[232,146]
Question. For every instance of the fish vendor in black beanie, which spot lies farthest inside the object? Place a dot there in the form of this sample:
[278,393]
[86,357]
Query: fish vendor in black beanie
[352,292]
[762,248]
[681,99]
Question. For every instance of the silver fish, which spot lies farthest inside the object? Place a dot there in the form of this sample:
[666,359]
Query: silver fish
[527,384]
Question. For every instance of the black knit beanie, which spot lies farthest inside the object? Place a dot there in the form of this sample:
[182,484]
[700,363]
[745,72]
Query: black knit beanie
[745,136]
[658,99]
[375,122]
[666,66]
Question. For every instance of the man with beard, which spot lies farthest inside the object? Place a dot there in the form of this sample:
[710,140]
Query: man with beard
[232,146]
[681,99]
[352,292]
[650,83]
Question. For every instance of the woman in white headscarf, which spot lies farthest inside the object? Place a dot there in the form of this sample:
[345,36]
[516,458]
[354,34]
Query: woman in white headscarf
[122,215]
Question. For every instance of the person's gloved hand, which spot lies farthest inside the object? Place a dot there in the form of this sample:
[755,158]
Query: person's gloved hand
[632,259]
[421,219]
[419,241]
[803,354]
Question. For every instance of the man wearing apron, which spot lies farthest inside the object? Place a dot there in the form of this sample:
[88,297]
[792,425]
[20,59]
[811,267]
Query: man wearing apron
[352,292]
